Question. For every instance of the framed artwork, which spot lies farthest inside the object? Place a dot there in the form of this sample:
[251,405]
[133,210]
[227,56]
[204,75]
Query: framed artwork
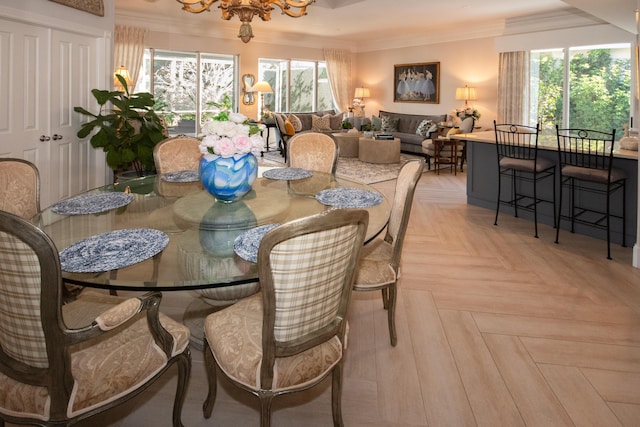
[92,6]
[417,82]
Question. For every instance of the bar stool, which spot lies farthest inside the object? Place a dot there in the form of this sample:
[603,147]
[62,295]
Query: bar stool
[517,148]
[586,166]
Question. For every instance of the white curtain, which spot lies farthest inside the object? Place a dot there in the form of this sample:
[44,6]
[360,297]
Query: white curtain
[128,50]
[513,88]
[339,71]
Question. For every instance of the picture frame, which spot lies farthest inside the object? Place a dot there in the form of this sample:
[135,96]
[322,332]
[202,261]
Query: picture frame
[419,82]
[95,7]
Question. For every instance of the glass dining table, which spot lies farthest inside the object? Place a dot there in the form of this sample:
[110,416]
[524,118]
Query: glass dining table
[201,231]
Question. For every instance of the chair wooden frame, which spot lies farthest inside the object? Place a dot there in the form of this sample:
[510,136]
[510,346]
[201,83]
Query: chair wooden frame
[517,150]
[313,151]
[60,339]
[352,225]
[408,178]
[586,164]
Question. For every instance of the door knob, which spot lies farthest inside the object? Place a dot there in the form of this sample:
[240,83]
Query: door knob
[44,138]
[56,137]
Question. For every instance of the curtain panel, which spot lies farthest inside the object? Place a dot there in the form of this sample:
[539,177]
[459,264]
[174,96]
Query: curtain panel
[339,70]
[513,88]
[128,50]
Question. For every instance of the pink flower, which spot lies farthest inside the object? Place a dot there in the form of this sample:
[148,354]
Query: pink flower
[242,143]
[224,147]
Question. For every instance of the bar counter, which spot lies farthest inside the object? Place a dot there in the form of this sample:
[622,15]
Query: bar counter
[482,184]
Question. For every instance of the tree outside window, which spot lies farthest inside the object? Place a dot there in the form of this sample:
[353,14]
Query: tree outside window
[597,94]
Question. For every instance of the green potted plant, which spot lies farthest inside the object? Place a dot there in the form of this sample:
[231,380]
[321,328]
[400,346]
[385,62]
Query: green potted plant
[128,132]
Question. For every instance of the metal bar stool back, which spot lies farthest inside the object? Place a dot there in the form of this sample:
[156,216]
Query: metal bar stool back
[586,168]
[518,160]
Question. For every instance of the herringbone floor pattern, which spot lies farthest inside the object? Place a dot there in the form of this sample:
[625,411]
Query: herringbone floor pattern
[495,328]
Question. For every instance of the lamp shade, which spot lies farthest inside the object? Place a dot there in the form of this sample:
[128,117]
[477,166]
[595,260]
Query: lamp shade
[466,93]
[261,86]
[124,72]
[362,92]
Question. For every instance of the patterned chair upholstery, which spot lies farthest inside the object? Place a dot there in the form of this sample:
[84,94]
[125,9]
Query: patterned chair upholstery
[379,268]
[61,364]
[19,187]
[292,334]
[176,154]
[313,151]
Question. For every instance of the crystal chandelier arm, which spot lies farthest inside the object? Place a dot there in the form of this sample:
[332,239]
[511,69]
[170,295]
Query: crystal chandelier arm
[189,5]
[286,6]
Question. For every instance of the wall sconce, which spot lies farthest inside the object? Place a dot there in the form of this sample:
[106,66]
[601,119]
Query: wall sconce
[466,93]
[262,87]
[359,96]
[123,72]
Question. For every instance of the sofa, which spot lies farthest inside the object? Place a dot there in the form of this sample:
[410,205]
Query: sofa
[406,128]
[288,124]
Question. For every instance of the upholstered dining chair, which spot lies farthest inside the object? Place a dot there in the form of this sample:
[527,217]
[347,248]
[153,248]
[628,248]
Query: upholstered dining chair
[292,334]
[176,154]
[19,187]
[61,364]
[444,150]
[379,268]
[313,151]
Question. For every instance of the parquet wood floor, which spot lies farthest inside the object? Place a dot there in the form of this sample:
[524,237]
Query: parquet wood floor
[495,328]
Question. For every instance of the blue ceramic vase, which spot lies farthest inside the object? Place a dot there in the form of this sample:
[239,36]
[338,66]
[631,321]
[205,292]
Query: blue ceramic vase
[228,178]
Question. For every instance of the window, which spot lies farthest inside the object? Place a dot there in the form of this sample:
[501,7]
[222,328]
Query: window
[181,96]
[298,86]
[585,87]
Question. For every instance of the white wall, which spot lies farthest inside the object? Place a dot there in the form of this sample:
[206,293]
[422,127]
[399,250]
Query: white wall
[471,62]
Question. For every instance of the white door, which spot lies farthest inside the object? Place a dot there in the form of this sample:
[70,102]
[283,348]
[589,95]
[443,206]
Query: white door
[24,94]
[73,75]
[44,73]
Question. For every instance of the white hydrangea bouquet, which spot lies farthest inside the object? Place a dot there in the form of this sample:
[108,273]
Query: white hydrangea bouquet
[228,134]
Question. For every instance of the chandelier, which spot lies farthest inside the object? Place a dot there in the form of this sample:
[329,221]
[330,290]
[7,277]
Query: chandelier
[247,9]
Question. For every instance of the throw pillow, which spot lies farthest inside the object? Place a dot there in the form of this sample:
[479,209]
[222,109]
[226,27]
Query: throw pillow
[295,121]
[389,124]
[376,123]
[424,128]
[335,121]
[319,124]
[288,128]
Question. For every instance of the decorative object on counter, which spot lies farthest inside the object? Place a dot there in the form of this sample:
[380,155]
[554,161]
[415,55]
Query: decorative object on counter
[630,139]
[229,167]
[246,10]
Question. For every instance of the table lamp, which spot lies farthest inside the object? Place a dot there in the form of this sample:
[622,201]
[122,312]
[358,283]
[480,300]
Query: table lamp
[466,93]
[262,86]
[360,95]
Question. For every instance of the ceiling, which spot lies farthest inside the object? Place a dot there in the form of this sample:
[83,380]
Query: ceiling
[362,23]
